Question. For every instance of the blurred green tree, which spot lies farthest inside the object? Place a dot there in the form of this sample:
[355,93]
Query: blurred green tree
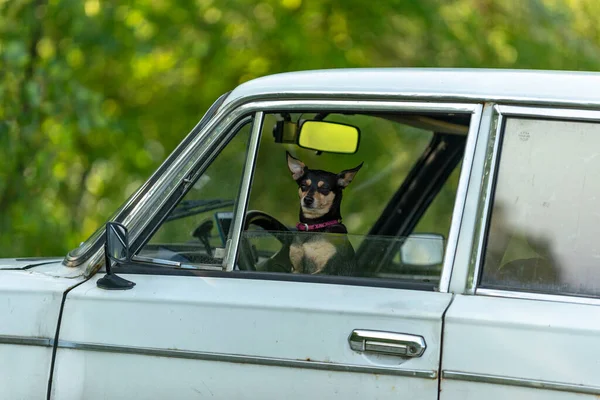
[94,94]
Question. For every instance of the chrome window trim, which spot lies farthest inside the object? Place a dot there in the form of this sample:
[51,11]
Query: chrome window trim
[26,341]
[433,84]
[550,113]
[244,195]
[437,97]
[520,382]
[359,106]
[463,260]
[483,212]
[144,210]
[246,359]
[556,298]
[460,200]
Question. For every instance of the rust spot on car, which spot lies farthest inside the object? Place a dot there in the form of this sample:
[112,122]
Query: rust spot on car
[326,360]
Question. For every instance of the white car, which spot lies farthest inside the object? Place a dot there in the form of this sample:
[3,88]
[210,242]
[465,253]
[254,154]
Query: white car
[475,221]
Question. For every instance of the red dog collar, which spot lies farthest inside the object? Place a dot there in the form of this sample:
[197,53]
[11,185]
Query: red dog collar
[306,227]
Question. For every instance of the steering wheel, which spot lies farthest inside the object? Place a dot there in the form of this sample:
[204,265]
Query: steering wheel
[278,262]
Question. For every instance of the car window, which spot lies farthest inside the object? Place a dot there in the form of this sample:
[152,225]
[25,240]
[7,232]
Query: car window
[196,230]
[542,234]
[394,157]
[388,155]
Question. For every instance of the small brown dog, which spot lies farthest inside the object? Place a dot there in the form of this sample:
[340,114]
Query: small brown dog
[318,251]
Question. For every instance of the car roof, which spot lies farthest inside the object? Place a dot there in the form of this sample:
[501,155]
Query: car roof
[463,85]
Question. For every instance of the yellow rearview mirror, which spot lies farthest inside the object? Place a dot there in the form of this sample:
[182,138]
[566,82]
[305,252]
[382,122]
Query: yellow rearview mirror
[331,137]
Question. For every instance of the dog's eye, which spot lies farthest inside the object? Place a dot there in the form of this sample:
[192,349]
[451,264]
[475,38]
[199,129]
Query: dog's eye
[325,191]
[304,188]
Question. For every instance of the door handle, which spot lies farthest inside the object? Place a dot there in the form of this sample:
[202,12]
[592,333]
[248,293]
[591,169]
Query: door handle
[398,344]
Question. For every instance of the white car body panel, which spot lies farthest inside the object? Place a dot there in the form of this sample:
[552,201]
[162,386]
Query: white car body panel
[127,377]
[554,343]
[29,308]
[283,321]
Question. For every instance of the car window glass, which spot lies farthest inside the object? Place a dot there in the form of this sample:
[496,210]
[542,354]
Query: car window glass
[436,220]
[438,216]
[393,154]
[396,147]
[196,230]
[542,234]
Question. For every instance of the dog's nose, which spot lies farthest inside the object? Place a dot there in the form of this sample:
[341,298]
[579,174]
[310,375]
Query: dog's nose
[308,200]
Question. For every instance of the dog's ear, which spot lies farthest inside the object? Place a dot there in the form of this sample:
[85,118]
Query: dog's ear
[346,176]
[296,166]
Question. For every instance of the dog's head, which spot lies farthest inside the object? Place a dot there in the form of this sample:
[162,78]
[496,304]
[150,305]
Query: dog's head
[320,191]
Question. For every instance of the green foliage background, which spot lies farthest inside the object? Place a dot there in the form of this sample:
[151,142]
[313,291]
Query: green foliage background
[94,94]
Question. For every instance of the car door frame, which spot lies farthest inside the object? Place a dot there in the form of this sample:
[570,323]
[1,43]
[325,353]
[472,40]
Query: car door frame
[143,229]
[258,108]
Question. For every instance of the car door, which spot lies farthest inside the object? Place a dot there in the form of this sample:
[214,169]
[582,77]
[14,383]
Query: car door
[527,324]
[196,326]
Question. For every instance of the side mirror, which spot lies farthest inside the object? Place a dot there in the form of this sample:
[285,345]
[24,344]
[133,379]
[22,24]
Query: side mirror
[117,242]
[331,137]
[116,249]
[422,250]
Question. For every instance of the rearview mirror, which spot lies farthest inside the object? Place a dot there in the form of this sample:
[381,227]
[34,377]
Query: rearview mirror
[423,250]
[331,137]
